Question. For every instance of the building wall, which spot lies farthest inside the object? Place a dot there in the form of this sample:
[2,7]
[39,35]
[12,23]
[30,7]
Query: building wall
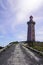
[31,32]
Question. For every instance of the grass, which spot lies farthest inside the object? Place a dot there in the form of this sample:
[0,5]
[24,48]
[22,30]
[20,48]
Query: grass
[39,48]
[14,42]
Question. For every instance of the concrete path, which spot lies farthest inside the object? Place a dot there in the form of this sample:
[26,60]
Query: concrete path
[17,56]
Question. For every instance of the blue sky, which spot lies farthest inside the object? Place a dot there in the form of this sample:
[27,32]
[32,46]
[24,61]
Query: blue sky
[14,15]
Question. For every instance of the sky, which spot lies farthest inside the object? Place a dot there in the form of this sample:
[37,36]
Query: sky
[14,15]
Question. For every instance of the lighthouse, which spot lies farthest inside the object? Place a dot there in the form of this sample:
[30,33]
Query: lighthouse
[31,30]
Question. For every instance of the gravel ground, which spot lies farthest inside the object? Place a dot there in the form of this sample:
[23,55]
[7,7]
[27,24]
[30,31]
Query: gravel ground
[18,55]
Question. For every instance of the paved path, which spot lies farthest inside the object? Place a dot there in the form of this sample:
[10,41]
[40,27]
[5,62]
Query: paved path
[18,56]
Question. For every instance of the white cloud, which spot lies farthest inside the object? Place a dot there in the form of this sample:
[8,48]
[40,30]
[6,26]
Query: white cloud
[15,12]
[2,30]
[39,38]
[39,32]
[30,5]
[22,36]
[25,4]
[25,9]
